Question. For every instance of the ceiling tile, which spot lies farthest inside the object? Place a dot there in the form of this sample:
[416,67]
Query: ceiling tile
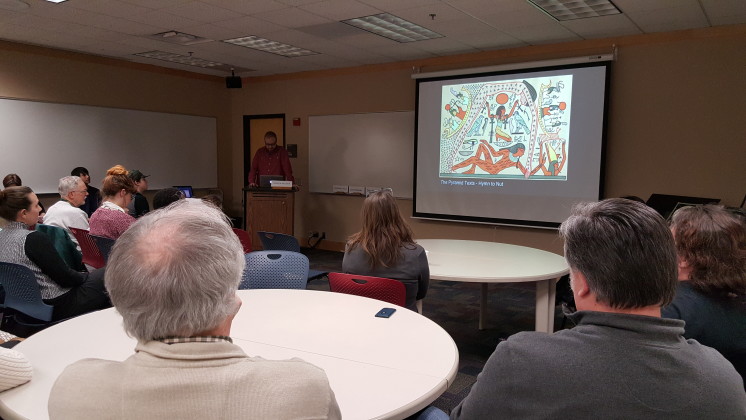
[249,25]
[201,12]
[340,9]
[670,19]
[248,6]
[108,7]
[394,5]
[542,34]
[292,17]
[603,26]
[163,20]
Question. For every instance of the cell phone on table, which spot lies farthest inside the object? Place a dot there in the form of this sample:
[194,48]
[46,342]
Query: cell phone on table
[385,312]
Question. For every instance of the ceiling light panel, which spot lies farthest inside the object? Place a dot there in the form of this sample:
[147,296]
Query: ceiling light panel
[393,27]
[576,9]
[189,60]
[266,45]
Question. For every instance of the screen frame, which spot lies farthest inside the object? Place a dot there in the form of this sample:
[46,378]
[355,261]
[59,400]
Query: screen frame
[529,69]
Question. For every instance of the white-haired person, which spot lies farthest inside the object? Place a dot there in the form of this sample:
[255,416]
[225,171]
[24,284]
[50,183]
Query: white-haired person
[173,277]
[711,293]
[67,213]
[70,292]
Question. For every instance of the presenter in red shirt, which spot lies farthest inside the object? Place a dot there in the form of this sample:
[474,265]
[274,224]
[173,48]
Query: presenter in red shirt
[270,160]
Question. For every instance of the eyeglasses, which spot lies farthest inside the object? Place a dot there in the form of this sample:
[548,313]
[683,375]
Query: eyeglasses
[82,192]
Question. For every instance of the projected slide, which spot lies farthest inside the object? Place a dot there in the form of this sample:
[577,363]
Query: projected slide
[511,129]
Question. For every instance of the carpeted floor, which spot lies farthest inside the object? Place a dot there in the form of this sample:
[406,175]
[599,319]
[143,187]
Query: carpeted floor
[455,307]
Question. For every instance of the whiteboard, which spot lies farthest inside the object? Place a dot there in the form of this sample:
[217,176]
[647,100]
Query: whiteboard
[42,142]
[365,150]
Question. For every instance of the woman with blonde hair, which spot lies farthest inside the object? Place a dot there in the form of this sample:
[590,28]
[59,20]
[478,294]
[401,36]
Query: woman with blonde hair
[385,248]
[111,219]
[711,295]
[70,292]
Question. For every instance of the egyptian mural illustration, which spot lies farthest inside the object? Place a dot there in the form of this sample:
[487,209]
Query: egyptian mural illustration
[508,129]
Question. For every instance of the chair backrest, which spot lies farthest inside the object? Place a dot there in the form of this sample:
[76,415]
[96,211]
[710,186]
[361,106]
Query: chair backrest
[104,246]
[22,292]
[91,254]
[275,270]
[387,290]
[245,239]
[63,244]
[278,241]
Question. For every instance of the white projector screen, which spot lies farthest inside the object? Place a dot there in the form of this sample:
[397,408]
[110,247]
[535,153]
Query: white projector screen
[518,147]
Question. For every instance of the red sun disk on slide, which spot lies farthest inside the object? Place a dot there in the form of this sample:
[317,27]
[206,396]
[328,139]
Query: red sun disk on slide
[501,98]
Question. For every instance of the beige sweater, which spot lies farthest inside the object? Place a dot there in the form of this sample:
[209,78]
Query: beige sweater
[15,369]
[192,381]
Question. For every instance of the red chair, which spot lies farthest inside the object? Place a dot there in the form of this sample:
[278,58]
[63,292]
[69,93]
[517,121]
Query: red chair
[387,290]
[245,239]
[91,254]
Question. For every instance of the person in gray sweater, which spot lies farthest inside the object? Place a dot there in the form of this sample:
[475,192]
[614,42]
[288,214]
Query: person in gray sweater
[385,247]
[621,360]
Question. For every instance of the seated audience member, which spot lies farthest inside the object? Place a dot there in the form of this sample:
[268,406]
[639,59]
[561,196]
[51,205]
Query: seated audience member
[13,180]
[711,295]
[111,219]
[139,204]
[72,293]
[213,199]
[385,248]
[93,199]
[66,212]
[621,360]
[185,364]
[166,196]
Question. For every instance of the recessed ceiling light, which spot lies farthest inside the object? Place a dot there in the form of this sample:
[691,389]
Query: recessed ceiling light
[180,38]
[56,1]
[576,9]
[393,27]
[269,46]
[189,60]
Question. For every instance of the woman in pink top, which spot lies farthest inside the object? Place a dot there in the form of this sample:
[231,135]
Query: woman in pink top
[111,219]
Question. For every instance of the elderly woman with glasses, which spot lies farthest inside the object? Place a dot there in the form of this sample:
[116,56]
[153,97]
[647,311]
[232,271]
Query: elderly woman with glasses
[111,220]
[385,247]
[70,292]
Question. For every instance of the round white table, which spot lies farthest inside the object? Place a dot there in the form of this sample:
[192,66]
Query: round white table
[378,368]
[492,262]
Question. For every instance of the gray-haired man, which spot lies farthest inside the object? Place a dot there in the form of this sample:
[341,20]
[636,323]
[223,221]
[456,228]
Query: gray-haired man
[173,277]
[621,360]
[66,212]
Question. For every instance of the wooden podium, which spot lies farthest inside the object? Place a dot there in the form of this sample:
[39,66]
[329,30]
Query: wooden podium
[268,210]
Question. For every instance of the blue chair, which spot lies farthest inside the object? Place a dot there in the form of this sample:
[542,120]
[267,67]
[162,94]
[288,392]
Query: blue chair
[275,270]
[23,297]
[282,242]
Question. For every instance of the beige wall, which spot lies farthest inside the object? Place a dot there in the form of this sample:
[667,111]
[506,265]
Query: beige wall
[674,126]
[675,115]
